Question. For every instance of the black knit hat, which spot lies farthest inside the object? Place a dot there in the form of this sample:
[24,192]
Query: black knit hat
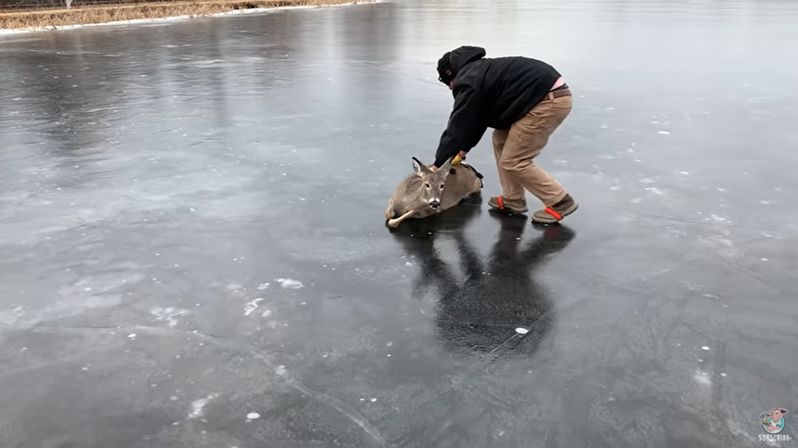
[445,72]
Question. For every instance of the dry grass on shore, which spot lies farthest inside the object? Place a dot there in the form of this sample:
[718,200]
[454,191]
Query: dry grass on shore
[55,18]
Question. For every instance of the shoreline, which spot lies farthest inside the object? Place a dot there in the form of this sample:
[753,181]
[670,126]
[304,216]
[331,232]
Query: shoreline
[160,12]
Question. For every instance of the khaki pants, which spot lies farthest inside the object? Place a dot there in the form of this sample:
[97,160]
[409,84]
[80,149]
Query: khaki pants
[516,148]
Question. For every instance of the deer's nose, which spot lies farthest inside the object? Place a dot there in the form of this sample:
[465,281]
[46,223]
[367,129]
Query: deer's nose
[434,204]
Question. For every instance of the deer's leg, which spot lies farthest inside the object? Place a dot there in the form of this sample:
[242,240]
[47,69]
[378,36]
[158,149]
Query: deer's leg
[394,223]
[389,211]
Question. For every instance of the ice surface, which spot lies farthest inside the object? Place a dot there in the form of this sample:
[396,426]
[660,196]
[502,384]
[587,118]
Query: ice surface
[155,206]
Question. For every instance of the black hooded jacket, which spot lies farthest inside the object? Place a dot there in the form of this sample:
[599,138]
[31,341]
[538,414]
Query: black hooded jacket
[490,93]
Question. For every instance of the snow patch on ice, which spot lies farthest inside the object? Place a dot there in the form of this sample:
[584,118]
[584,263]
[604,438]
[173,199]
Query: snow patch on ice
[702,378]
[198,406]
[289,283]
[252,305]
[717,218]
[168,315]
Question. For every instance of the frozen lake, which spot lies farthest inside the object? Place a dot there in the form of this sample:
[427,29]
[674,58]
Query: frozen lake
[193,252]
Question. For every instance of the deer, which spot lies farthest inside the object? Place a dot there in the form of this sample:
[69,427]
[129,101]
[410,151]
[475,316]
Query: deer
[427,192]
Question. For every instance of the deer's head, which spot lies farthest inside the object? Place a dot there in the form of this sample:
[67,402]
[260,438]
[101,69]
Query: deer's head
[432,183]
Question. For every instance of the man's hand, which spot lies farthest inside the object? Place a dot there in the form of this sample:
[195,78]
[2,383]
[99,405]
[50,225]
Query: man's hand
[456,160]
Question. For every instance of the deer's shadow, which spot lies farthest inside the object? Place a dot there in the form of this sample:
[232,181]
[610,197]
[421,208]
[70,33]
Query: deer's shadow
[483,300]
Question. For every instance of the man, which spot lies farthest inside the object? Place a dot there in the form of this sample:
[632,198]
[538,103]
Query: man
[524,100]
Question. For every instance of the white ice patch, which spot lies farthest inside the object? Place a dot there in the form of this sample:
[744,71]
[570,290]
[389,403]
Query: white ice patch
[647,180]
[281,370]
[289,283]
[168,315]
[208,62]
[198,406]
[684,173]
[655,190]
[521,330]
[266,313]
[263,286]
[252,306]
[702,378]
[132,336]
[9,317]
[663,133]
[717,218]
[253,416]
[234,286]
[705,348]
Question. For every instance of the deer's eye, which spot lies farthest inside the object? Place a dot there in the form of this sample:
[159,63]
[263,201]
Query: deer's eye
[441,186]
[427,185]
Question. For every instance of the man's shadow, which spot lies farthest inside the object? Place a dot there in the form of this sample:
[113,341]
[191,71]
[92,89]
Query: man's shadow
[482,303]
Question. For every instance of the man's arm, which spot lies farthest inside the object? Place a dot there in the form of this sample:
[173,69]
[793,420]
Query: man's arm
[465,125]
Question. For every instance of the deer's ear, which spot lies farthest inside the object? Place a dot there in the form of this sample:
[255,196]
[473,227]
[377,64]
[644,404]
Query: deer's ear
[448,164]
[419,167]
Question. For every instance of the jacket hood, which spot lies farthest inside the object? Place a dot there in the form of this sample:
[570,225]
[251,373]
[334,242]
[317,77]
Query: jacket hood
[451,62]
[465,54]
